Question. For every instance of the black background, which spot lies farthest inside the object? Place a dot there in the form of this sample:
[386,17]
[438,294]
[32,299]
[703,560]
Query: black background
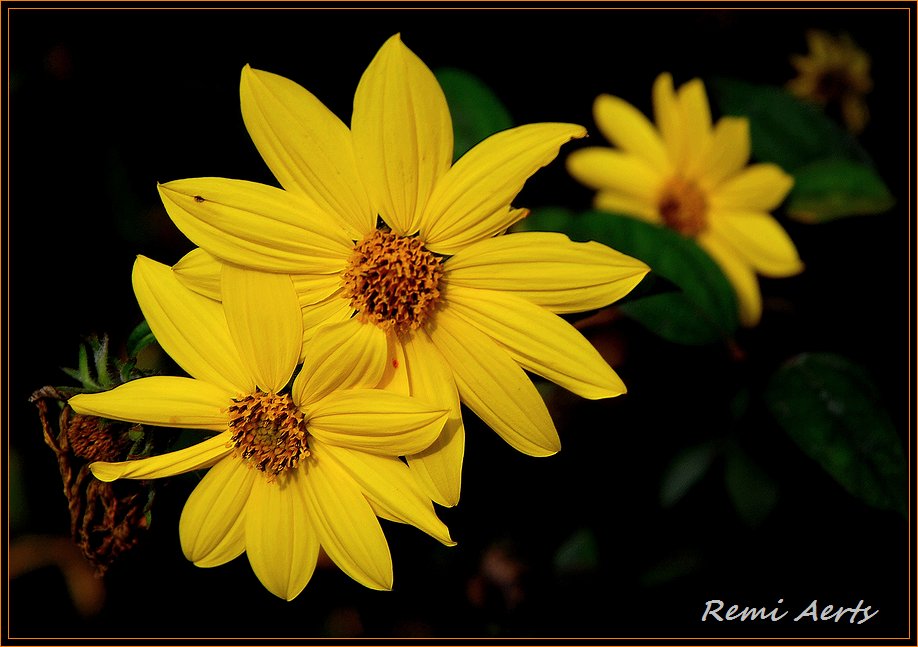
[104,102]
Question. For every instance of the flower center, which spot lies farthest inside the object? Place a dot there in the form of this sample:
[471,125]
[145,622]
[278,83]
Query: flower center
[832,85]
[683,207]
[392,281]
[269,432]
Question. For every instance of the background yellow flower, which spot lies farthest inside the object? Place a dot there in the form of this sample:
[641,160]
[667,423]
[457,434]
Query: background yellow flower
[692,177]
[835,71]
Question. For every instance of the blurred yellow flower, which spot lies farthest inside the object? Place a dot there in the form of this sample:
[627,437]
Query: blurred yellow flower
[377,227]
[835,71]
[693,178]
[290,470]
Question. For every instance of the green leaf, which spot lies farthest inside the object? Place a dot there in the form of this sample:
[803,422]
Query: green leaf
[476,111]
[140,338]
[686,469]
[831,409]
[703,311]
[835,188]
[753,492]
[100,359]
[550,218]
[784,129]
[578,554]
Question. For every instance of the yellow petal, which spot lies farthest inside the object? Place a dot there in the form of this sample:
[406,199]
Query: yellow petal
[264,319]
[668,117]
[402,133]
[727,152]
[438,469]
[199,271]
[739,273]
[342,355]
[540,341]
[760,241]
[627,205]
[198,456]
[547,269]
[760,187]
[388,483]
[212,525]
[395,377]
[280,542]
[611,170]
[190,328]
[494,386]
[347,527]
[257,226]
[313,288]
[485,180]
[624,125]
[161,400]
[306,146]
[332,309]
[375,421]
[696,116]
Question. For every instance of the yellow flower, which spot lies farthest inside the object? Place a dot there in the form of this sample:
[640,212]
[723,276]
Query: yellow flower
[375,221]
[836,71]
[290,471]
[693,178]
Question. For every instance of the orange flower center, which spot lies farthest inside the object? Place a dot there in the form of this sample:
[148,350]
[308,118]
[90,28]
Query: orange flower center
[269,432]
[683,207]
[392,281]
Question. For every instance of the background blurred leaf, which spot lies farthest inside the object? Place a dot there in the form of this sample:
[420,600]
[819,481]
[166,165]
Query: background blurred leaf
[475,109]
[784,129]
[834,175]
[578,554]
[753,492]
[831,409]
[686,469]
[704,309]
[834,188]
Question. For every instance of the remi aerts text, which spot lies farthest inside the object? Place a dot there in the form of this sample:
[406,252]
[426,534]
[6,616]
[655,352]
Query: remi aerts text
[717,610]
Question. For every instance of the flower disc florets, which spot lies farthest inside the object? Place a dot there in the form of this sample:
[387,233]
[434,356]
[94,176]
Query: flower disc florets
[269,432]
[683,207]
[392,281]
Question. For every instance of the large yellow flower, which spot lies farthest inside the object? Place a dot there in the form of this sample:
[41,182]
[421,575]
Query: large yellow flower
[835,71]
[375,221]
[290,470]
[693,178]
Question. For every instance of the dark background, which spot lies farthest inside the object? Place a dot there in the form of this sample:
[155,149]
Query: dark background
[104,103]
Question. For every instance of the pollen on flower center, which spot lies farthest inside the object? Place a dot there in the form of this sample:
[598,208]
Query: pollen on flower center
[683,207]
[269,432]
[392,281]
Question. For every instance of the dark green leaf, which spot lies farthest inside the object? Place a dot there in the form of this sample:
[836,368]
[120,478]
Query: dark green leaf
[784,129]
[475,110]
[831,409]
[140,338]
[578,554]
[680,563]
[686,469]
[703,311]
[753,493]
[551,218]
[834,188]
